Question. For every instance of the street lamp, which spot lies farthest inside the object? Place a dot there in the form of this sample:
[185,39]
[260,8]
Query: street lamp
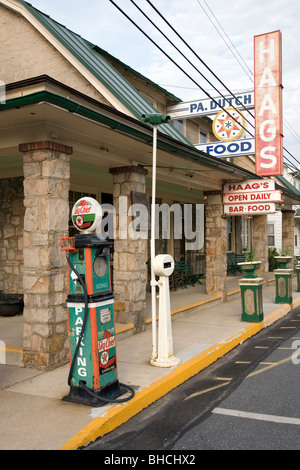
[155,120]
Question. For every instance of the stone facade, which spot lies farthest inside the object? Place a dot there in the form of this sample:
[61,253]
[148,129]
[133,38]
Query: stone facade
[46,185]
[216,243]
[288,228]
[31,55]
[130,274]
[260,243]
[11,235]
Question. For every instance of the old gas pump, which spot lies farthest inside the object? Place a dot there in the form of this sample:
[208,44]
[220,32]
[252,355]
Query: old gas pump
[93,372]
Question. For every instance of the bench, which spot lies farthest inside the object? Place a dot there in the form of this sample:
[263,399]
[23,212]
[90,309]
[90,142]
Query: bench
[239,259]
[232,262]
[175,280]
[184,271]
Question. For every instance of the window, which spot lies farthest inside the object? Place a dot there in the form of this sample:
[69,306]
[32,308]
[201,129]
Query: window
[245,234]
[229,234]
[203,137]
[271,235]
[178,124]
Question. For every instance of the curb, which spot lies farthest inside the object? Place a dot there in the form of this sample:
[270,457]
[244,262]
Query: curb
[118,414]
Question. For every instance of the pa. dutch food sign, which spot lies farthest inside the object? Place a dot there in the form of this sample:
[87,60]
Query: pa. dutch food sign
[268,104]
[254,197]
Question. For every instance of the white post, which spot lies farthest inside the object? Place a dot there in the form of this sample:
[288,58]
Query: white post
[165,357]
[152,247]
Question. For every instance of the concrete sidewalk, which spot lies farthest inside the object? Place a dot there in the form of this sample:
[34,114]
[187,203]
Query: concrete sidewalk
[33,415]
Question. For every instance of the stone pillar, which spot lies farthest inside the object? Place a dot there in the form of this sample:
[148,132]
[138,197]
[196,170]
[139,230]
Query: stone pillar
[288,236]
[216,244]
[46,184]
[11,235]
[130,269]
[260,243]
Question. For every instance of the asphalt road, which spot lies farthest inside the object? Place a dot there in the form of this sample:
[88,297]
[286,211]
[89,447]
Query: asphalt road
[248,400]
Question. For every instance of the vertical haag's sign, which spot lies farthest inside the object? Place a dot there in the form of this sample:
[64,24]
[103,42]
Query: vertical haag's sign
[268,104]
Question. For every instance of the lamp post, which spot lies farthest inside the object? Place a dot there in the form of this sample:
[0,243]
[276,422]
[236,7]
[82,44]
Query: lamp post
[155,120]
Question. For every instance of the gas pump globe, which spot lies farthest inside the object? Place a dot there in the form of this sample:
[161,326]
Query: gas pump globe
[92,340]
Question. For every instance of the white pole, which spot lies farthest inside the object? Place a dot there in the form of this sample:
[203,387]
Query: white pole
[152,246]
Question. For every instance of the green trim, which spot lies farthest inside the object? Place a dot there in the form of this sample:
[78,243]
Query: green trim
[289,186]
[252,308]
[284,289]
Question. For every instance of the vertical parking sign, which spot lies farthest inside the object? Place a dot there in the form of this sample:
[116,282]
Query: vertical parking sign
[268,104]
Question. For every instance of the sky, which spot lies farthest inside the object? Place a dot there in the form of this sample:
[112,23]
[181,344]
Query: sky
[221,33]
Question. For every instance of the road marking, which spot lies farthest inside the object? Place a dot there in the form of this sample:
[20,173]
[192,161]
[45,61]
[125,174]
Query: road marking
[242,362]
[226,378]
[258,416]
[206,390]
[269,367]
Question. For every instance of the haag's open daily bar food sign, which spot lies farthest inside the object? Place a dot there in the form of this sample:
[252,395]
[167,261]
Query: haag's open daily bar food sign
[251,197]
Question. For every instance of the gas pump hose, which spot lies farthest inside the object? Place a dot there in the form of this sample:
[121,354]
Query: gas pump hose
[81,383]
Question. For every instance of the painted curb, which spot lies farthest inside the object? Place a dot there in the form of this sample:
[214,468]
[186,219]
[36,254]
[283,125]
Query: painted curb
[120,413]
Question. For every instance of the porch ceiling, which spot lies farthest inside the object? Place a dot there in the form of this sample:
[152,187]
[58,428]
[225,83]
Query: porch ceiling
[101,136]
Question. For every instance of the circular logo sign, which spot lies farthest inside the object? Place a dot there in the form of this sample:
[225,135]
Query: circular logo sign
[228,125]
[86,214]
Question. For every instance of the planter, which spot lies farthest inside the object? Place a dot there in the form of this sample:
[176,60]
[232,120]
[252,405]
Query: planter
[283,261]
[11,304]
[249,267]
[283,277]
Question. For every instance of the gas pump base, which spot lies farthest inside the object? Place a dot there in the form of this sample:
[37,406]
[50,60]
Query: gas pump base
[92,397]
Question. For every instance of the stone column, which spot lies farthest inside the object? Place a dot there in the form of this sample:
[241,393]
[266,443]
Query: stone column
[130,269]
[46,184]
[216,244]
[260,243]
[11,235]
[288,233]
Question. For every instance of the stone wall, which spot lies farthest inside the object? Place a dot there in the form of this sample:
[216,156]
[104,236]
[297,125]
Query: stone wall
[260,243]
[46,185]
[11,235]
[216,244]
[130,269]
[288,234]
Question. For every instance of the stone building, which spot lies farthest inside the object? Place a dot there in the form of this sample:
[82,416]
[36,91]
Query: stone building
[71,125]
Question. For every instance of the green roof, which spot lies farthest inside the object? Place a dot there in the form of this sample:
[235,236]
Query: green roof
[291,188]
[90,56]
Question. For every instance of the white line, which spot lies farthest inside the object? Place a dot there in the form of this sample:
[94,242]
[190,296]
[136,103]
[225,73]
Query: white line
[259,416]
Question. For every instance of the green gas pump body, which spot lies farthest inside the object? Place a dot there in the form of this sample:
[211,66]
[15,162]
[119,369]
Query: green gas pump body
[92,339]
